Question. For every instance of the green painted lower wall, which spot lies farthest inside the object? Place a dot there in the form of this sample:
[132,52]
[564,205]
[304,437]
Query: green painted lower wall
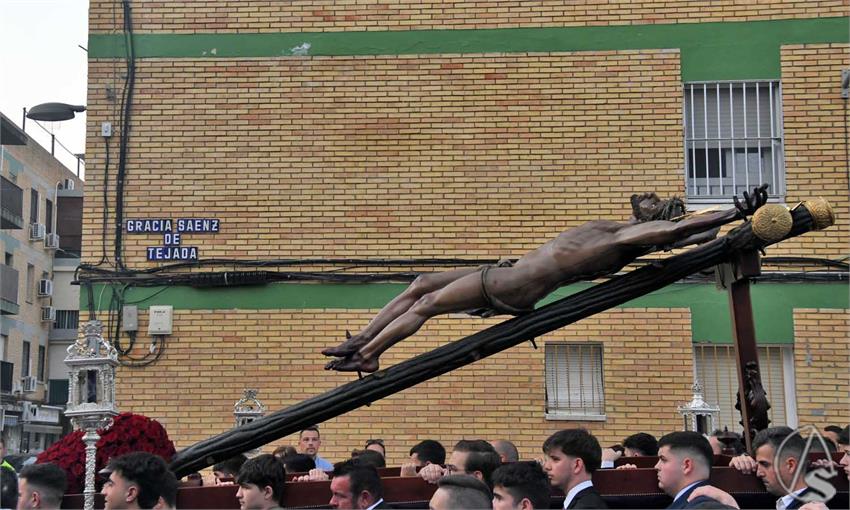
[773,303]
[709,51]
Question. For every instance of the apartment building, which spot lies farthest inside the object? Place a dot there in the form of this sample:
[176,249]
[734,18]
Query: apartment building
[41,238]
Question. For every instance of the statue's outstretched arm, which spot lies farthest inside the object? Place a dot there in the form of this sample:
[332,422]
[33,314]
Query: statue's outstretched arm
[688,230]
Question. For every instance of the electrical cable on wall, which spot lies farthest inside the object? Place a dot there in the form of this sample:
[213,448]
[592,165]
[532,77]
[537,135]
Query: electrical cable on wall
[255,272]
[125,122]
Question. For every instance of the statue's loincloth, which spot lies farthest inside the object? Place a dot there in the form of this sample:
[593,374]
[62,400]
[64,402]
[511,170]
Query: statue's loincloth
[495,306]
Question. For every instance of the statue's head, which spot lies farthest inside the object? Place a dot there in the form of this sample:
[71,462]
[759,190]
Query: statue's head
[648,207]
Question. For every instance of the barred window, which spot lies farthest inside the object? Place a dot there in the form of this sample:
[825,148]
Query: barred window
[717,370]
[66,319]
[574,385]
[733,139]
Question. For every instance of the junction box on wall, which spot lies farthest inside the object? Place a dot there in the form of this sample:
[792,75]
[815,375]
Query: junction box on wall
[160,320]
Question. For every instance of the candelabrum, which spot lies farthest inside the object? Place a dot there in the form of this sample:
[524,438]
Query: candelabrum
[246,410]
[699,415]
[91,364]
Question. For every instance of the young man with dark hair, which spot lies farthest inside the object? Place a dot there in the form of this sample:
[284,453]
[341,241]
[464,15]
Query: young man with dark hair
[469,457]
[356,486]
[309,442]
[424,453]
[298,463]
[640,445]
[262,482]
[572,455]
[832,432]
[370,458]
[520,486]
[460,492]
[684,463]
[636,445]
[844,462]
[8,488]
[225,471]
[168,492]
[134,481]
[428,452]
[41,486]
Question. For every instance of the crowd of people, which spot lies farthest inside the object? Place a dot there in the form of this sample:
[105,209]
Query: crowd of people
[475,474]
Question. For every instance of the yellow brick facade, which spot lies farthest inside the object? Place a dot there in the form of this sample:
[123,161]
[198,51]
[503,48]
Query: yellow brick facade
[816,141]
[217,354]
[204,16]
[475,155]
[449,156]
[821,352]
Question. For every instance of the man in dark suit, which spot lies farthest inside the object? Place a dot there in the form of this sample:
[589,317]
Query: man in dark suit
[684,463]
[778,453]
[572,456]
[357,486]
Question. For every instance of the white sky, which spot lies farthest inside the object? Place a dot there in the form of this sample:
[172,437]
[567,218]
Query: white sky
[40,62]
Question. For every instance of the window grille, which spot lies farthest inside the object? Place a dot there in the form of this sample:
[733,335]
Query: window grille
[717,372]
[733,139]
[66,319]
[574,385]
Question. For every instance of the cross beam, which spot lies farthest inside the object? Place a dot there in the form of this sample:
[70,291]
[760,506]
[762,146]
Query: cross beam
[492,340]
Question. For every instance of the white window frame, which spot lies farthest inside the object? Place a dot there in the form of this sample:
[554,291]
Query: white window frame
[580,382]
[738,155]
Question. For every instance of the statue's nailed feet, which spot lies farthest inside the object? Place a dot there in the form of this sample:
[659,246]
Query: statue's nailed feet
[351,345]
[353,363]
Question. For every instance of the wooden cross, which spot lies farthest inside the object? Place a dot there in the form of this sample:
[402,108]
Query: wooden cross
[752,401]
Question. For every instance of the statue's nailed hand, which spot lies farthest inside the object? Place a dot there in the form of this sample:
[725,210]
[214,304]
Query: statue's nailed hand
[752,201]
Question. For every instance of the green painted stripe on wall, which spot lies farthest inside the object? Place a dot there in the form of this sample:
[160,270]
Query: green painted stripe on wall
[773,303]
[709,51]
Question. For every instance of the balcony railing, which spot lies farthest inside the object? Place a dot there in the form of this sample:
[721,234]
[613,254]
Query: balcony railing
[11,205]
[8,290]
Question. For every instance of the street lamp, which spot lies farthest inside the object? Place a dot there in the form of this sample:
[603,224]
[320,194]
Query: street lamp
[52,112]
[91,393]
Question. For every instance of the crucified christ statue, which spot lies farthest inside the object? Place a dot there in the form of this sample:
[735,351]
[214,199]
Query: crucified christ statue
[586,252]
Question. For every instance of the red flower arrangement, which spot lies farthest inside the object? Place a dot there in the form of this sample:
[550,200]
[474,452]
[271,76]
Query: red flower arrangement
[129,433]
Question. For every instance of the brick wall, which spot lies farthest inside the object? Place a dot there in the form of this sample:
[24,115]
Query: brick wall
[815,118]
[215,355]
[436,156]
[199,16]
[821,347]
